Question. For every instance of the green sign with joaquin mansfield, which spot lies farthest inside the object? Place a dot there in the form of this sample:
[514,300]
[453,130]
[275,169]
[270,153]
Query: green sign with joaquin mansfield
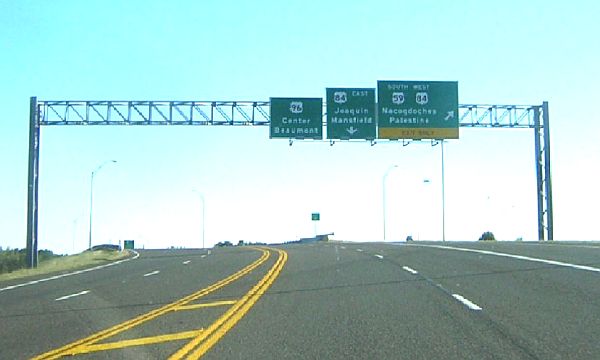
[351,113]
[417,109]
[296,118]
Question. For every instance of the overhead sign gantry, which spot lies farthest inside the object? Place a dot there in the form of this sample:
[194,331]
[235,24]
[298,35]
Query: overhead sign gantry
[302,118]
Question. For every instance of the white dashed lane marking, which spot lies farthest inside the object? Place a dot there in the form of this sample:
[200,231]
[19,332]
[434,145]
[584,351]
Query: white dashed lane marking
[468,303]
[412,271]
[72,295]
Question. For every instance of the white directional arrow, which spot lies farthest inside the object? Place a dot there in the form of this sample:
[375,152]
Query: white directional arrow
[449,116]
[351,130]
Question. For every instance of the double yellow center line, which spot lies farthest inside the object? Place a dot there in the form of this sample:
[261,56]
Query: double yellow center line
[202,339]
[202,343]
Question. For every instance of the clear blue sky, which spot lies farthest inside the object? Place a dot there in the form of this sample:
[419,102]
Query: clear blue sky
[500,52]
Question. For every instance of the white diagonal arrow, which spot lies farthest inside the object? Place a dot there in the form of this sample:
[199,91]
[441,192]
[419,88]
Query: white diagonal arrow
[351,130]
[449,116]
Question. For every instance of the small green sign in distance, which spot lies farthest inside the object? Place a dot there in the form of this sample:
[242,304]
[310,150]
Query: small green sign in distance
[351,113]
[296,118]
[128,244]
[417,109]
[316,216]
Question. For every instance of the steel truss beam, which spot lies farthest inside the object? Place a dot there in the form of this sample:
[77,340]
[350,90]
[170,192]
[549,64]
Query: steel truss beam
[234,113]
[256,113]
[153,113]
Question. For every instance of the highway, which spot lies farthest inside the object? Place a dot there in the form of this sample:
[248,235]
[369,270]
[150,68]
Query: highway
[331,300]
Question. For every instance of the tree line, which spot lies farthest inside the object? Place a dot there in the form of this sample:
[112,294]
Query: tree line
[15,259]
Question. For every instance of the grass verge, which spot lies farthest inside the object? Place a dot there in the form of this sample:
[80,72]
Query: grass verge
[67,263]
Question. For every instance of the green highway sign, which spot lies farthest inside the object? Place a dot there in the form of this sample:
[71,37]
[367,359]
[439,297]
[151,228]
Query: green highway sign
[128,245]
[417,109]
[351,113]
[296,118]
[316,216]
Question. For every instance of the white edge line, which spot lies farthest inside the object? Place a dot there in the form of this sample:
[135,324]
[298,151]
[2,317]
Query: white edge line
[152,273]
[72,295]
[33,282]
[519,257]
[412,271]
[569,245]
[468,303]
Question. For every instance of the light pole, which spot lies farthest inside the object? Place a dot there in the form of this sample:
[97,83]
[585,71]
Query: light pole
[443,197]
[383,193]
[203,215]
[92,196]
[426,182]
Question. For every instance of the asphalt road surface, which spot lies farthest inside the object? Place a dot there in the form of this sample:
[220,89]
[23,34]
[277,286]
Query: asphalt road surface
[332,300]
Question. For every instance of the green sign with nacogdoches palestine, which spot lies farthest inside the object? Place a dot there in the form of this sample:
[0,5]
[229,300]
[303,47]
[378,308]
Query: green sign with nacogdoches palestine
[417,109]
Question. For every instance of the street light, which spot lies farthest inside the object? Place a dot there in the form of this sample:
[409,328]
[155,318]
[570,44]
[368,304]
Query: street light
[426,182]
[92,196]
[383,187]
[203,214]
[443,196]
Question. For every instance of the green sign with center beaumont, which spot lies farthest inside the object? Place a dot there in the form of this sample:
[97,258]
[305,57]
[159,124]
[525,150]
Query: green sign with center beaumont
[417,109]
[296,118]
[351,113]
